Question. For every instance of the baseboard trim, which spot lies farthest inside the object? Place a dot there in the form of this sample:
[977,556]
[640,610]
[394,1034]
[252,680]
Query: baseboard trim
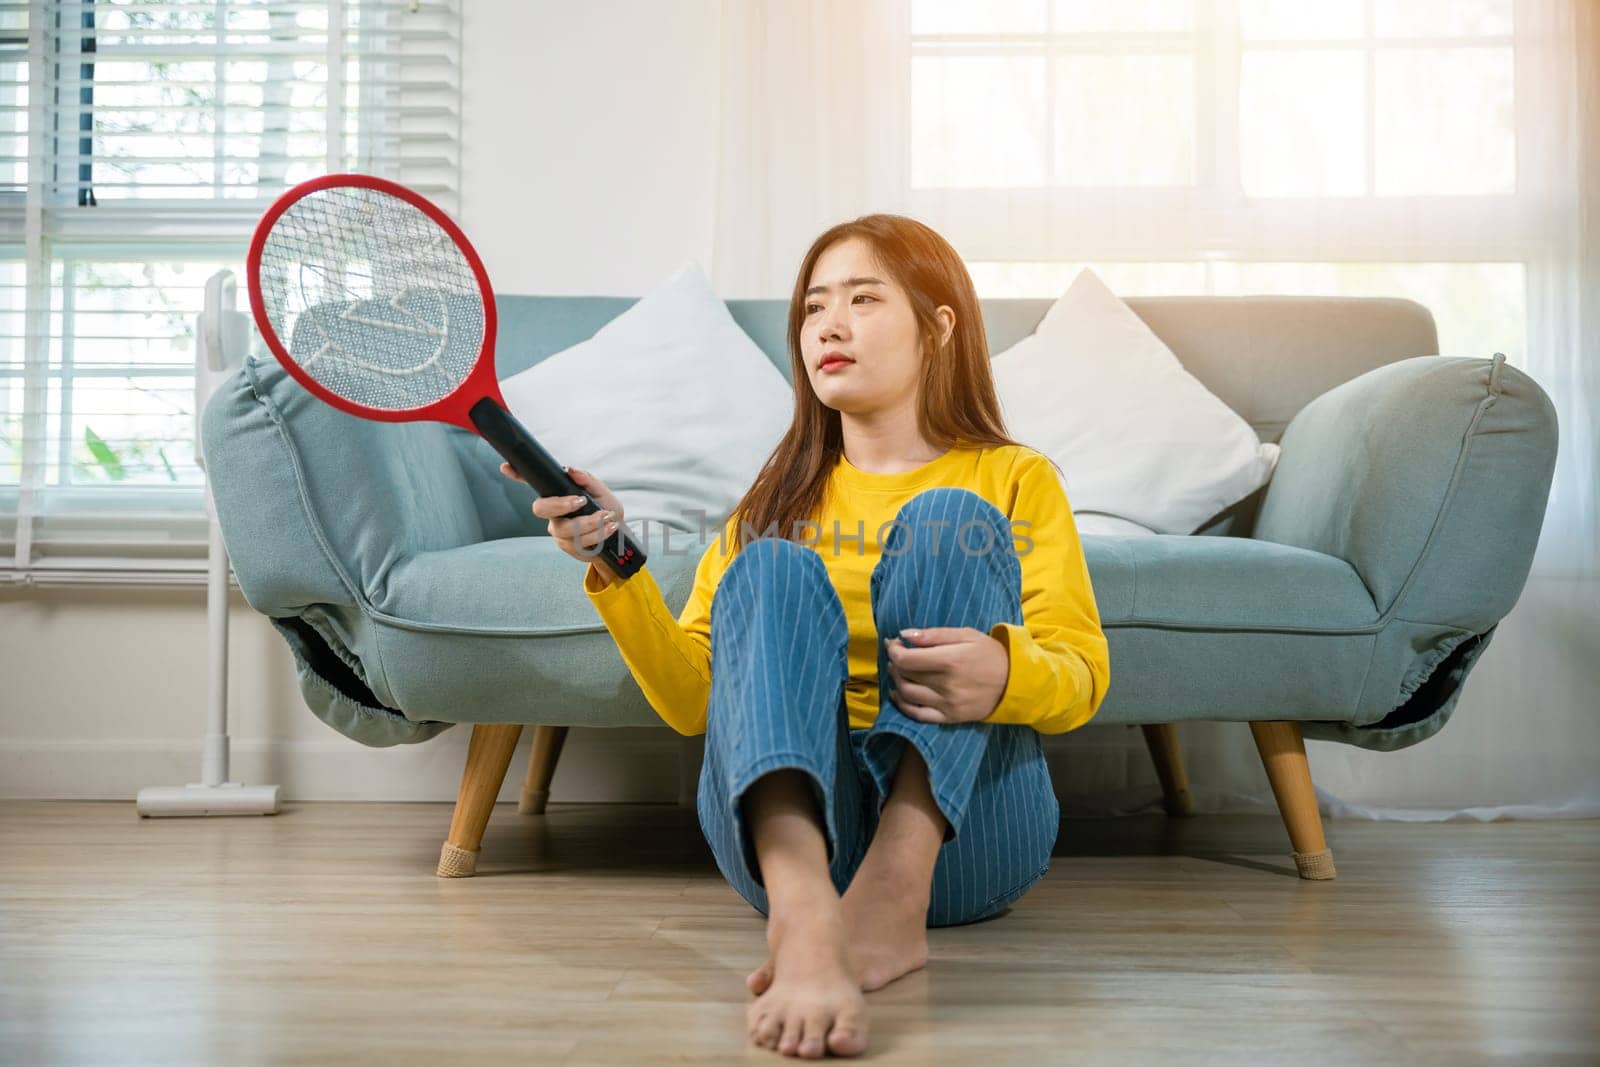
[1105,772]
[622,765]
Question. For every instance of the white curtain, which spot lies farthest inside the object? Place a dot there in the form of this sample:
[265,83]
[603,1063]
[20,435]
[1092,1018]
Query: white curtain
[1445,150]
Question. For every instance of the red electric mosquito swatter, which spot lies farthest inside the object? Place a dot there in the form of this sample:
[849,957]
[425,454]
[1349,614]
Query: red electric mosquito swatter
[373,299]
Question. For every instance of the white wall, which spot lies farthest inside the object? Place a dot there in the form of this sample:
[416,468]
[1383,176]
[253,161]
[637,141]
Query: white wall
[589,142]
[104,692]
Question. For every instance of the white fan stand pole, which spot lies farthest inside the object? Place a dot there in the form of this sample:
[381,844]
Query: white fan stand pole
[221,339]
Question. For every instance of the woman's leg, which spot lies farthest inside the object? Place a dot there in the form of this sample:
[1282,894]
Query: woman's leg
[780,797]
[886,904]
[776,717]
[989,781]
[967,815]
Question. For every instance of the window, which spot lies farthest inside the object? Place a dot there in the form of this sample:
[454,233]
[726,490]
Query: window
[139,144]
[1357,147]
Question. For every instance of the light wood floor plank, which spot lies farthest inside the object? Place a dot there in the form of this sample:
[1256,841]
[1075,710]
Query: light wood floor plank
[603,934]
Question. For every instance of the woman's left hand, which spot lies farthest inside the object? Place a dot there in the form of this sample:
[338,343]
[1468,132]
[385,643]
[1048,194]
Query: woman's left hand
[947,673]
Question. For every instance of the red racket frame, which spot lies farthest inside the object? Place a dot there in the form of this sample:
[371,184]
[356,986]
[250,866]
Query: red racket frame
[495,424]
[479,383]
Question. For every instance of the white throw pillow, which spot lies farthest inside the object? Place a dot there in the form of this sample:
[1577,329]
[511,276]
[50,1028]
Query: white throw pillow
[671,404]
[1096,524]
[1137,436]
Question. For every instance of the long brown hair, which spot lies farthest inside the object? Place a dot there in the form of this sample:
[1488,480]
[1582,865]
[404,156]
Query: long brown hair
[957,406]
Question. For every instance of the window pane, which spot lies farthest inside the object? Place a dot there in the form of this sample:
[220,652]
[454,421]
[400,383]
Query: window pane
[128,312]
[128,431]
[120,407]
[1301,123]
[977,121]
[13,295]
[1098,16]
[1276,20]
[14,98]
[156,132]
[1433,18]
[1446,121]
[991,16]
[209,101]
[13,125]
[1125,120]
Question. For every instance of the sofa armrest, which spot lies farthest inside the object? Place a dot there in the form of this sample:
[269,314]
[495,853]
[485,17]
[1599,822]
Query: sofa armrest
[316,508]
[317,505]
[276,550]
[1430,477]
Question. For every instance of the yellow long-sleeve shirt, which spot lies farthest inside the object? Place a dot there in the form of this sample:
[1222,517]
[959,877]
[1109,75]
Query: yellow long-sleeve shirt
[1060,665]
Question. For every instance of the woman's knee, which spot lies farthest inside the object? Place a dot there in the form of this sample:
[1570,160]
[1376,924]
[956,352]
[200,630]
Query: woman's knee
[776,555]
[947,521]
[771,563]
[943,529]
[944,497]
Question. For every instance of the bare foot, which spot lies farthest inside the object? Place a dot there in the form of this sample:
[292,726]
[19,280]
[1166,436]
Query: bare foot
[812,1005]
[887,922]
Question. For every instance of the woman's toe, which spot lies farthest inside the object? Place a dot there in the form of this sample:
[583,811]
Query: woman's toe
[790,1040]
[813,1039]
[848,1035]
[761,1025]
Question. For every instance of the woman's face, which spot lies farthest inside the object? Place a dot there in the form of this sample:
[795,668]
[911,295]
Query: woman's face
[854,309]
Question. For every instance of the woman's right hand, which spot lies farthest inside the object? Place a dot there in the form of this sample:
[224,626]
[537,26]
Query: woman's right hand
[582,532]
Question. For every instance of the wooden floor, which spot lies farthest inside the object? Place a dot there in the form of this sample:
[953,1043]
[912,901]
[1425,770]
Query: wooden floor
[603,934]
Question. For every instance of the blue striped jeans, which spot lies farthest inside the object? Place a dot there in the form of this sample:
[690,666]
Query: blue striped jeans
[778,669]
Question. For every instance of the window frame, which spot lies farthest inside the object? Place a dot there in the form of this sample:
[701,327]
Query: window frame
[158,534]
[1200,222]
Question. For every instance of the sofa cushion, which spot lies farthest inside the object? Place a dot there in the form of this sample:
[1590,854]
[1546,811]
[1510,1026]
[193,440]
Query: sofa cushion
[1223,583]
[1232,629]
[487,632]
[502,632]
[516,585]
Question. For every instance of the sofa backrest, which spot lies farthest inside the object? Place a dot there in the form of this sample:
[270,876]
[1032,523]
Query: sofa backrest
[1266,357]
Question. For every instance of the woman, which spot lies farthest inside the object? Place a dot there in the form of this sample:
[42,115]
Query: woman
[870,654]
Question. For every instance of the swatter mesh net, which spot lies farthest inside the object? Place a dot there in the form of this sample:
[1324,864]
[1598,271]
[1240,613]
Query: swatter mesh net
[372,298]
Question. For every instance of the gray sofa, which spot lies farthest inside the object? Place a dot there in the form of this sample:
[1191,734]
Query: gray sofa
[1347,600]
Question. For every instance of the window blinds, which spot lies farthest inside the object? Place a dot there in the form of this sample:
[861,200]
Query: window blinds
[139,144]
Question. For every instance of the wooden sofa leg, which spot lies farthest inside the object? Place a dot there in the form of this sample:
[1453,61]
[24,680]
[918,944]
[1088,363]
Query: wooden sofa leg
[547,742]
[1283,752]
[1162,740]
[488,756]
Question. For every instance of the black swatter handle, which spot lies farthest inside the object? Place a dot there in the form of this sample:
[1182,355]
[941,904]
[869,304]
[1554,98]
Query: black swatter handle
[536,467]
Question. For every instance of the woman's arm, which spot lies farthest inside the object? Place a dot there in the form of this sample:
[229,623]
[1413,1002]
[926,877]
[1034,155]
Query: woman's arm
[669,658]
[1060,662]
